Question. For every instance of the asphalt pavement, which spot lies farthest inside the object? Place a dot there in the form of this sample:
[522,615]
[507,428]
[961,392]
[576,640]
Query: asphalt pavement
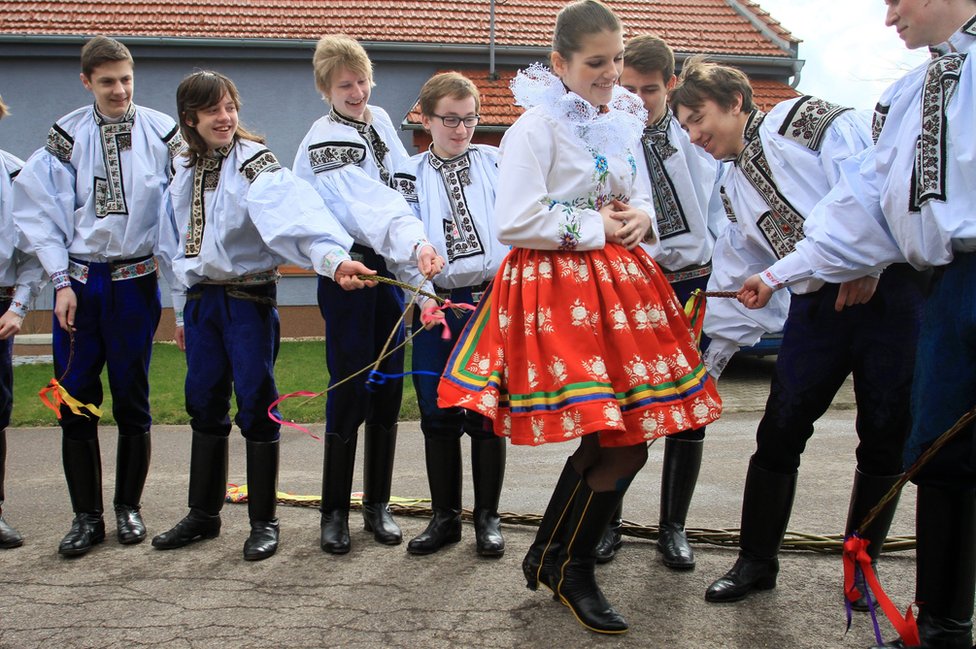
[206,595]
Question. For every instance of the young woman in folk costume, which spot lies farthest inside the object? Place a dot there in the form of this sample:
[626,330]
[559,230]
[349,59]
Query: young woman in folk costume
[581,335]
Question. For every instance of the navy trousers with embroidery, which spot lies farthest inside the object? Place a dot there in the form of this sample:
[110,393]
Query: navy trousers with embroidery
[6,376]
[114,327]
[875,342]
[357,324]
[231,343]
[430,354]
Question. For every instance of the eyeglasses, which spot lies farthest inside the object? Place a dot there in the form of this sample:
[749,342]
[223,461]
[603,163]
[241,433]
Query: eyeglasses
[453,121]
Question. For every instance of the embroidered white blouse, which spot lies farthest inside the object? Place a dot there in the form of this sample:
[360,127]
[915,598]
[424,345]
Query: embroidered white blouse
[684,180]
[455,200]
[95,190]
[911,196]
[351,165]
[18,269]
[253,216]
[562,161]
[792,158]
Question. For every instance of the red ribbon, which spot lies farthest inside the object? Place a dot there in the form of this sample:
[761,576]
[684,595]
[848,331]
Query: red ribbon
[278,420]
[856,557]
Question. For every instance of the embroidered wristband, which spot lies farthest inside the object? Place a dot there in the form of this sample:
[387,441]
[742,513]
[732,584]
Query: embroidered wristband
[60,279]
[19,308]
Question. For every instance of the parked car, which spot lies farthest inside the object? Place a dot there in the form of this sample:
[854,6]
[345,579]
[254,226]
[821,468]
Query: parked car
[768,345]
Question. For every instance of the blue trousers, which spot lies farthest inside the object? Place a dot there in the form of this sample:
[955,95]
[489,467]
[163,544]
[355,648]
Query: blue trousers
[6,377]
[114,328]
[357,324]
[875,342]
[430,354]
[231,342]
[945,377]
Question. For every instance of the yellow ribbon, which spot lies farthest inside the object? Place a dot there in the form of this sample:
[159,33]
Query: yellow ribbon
[54,396]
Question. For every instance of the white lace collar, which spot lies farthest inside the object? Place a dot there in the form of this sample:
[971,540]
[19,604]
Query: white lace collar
[610,133]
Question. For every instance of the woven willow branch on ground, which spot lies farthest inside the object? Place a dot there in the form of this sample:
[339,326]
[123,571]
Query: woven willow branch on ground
[825,544]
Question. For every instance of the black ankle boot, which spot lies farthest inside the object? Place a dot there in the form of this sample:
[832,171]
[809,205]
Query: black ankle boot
[9,537]
[377,479]
[337,471]
[766,506]
[262,500]
[83,473]
[488,469]
[612,540]
[208,488]
[540,560]
[576,586]
[682,462]
[865,494]
[132,466]
[443,458]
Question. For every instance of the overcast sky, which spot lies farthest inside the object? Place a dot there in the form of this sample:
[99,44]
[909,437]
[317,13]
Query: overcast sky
[851,56]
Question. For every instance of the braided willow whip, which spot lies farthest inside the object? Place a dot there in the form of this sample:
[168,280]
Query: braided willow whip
[913,470]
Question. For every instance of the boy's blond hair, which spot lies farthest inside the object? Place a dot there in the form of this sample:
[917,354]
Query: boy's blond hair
[4,111]
[335,53]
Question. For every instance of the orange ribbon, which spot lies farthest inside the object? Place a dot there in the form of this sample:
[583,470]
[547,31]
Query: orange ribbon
[54,396]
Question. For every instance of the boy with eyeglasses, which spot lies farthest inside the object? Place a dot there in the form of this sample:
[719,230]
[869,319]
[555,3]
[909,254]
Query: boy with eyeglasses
[451,188]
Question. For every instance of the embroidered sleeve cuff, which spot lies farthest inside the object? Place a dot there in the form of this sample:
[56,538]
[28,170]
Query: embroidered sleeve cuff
[717,356]
[331,262]
[417,245]
[60,279]
[791,269]
[179,303]
[771,280]
[18,307]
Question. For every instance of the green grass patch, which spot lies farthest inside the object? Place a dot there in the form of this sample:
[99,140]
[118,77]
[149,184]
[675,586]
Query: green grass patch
[300,366]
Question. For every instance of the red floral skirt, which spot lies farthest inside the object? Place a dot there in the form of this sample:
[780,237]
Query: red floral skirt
[565,344]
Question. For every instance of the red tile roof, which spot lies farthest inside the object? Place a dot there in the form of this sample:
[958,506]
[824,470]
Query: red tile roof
[497,108]
[689,25]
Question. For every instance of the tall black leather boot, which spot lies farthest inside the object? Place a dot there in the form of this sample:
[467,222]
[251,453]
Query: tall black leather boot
[337,471]
[443,456]
[865,494]
[576,585]
[83,473]
[945,567]
[612,539]
[682,462]
[132,467]
[488,470]
[9,537]
[208,489]
[262,500]
[541,558]
[766,506]
[377,479]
